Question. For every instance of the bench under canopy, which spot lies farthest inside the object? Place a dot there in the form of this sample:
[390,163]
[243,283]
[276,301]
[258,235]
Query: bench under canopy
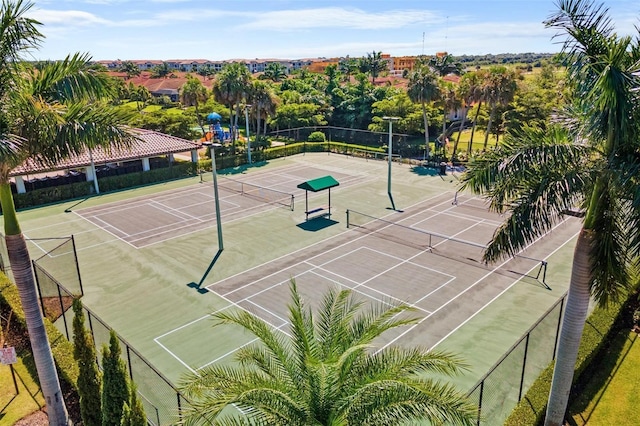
[317,185]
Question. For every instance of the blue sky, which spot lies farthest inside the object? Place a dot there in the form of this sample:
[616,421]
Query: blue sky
[227,29]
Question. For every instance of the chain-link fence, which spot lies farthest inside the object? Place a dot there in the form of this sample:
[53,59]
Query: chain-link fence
[58,282]
[500,390]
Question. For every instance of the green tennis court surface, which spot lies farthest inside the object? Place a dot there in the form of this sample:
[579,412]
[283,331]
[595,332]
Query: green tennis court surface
[141,251]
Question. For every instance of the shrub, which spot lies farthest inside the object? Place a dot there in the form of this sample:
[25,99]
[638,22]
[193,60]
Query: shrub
[316,137]
[61,348]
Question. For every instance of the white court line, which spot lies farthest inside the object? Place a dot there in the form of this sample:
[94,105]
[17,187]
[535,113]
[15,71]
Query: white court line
[502,292]
[306,248]
[234,304]
[170,210]
[108,225]
[473,285]
[176,357]
[104,230]
[416,264]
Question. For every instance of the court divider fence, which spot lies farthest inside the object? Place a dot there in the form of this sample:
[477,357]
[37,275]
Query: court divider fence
[498,392]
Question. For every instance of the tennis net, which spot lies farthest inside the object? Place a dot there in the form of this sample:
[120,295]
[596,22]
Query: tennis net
[464,251]
[260,193]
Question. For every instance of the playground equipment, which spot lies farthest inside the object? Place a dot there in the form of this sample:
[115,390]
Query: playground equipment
[216,132]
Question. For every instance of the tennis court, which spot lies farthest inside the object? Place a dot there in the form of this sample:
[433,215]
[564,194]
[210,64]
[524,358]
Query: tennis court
[160,217]
[141,251]
[410,260]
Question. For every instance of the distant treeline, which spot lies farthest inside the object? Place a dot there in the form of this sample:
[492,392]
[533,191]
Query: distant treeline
[503,58]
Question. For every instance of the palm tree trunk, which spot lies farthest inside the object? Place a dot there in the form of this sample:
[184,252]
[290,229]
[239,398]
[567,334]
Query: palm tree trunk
[572,325]
[23,276]
[455,145]
[486,136]
[473,129]
[426,129]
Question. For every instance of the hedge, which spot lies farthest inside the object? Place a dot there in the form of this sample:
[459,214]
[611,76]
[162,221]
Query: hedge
[61,348]
[179,170]
[532,408]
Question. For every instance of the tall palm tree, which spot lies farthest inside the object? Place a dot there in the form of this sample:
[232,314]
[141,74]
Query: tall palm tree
[130,68]
[592,162]
[477,95]
[46,113]
[325,372]
[423,87]
[451,101]
[264,100]
[375,64]
[231,87]
[467,92]
[193,93]
[499,89]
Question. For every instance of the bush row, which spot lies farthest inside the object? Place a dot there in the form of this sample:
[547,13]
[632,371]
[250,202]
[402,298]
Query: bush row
[61,348]
[600,324]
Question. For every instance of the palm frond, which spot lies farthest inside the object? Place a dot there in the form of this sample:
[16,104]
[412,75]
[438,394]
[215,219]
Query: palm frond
[69,80]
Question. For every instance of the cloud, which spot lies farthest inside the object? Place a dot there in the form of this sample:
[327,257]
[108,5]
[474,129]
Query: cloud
[67,18]
[337,17]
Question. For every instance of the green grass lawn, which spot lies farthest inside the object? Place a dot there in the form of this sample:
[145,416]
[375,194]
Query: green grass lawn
[610,395]
[14,407]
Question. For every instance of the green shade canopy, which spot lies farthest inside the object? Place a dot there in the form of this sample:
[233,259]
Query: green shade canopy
[319,184]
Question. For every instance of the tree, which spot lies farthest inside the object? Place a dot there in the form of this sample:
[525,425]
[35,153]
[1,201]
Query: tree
[115,390]
[445,65]
[423,88]
[230,88]
[130,68]
[161,71]
[374,64]
[469,90]
[133,411]
[193,93]
[499,89]
[47,112]
[264,101]
[325,373]
[275,72]
[591,162]
[89,376]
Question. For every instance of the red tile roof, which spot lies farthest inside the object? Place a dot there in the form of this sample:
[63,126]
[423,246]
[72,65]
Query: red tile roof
[149,144]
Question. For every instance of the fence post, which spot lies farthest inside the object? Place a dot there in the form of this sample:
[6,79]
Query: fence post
[480,402]
[555,344]
[35,274]
[75,256]
[64,318]
[524,365]
[129,362]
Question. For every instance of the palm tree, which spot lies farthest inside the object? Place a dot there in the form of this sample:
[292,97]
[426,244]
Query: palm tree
[499,89]
[445,65]
[130,68]
[592,162]
[230,88]
[375,64]
[423,87]
[468,90]
[450,102]
[324,372]
[275,72]
[193,93]
[46,113]
[263,99]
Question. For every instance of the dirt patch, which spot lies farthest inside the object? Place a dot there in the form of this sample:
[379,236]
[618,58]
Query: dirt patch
[39,418]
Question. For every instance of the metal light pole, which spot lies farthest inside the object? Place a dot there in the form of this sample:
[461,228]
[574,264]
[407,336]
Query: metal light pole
[390,120]
[246,119]
[215,193]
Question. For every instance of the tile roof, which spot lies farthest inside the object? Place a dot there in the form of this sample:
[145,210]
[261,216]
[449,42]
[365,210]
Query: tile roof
[149,144]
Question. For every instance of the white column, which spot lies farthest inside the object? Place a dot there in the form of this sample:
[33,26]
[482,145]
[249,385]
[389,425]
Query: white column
[194,155]
[20,185]
[171,158]
[89,172]
[145,164]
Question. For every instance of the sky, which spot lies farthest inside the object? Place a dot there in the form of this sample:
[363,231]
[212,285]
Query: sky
[228,29]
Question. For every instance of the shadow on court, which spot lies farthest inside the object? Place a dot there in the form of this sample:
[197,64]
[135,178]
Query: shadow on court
[198,286]
[68,209]
[425,171]
[316,224]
